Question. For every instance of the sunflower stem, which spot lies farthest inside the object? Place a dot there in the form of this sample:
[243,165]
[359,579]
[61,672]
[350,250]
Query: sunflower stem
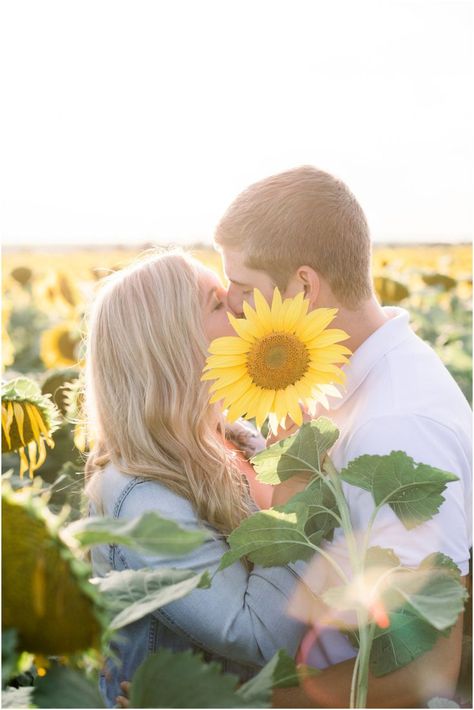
[359,684]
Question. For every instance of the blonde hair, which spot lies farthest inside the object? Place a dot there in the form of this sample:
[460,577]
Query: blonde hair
[144,398]
[302,217]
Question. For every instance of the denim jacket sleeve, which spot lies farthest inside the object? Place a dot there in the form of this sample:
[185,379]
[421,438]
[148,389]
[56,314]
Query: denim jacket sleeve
[243,615]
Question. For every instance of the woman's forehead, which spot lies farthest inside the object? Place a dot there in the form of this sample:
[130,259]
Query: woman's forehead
[208,279]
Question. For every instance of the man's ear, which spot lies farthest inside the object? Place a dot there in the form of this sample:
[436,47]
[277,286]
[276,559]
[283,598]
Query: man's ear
[306,279]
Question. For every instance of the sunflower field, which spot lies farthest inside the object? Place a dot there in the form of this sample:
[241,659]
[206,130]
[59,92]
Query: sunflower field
[57,624]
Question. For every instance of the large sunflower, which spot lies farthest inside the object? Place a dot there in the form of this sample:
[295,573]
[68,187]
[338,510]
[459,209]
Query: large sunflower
[281,356]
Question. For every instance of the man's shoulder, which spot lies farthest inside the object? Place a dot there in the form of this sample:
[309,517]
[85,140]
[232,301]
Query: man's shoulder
[424,438]
[412,381]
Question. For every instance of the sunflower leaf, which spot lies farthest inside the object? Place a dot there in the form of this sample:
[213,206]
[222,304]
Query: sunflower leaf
[322,510]
[405,639]
[270,538]
[303,452]
[280,672]
[422,604]
[158,683]
[64,687]
[132,594]
[148,533]
[413,490]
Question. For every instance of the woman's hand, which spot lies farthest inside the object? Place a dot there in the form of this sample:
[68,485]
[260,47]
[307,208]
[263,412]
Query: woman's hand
[290,428]
[286,490]
[123,700]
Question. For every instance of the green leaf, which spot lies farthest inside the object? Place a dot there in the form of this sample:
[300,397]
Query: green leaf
[382,557]
[17,697]
[301,453]
[148,534]
[63,687]
[136,593]
[321,506]
[270,538]
[430,599]
[412,490]
[434,596]
[441,561]
[183,680]
[407,637]
[280,672]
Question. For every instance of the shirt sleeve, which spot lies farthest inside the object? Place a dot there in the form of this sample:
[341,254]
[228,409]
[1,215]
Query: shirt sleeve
[242,616]
[429,442]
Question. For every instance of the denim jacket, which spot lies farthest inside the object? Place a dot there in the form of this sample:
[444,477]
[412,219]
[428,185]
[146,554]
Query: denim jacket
[240,621]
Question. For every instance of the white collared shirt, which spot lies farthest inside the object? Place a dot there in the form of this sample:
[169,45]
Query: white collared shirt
[399,397]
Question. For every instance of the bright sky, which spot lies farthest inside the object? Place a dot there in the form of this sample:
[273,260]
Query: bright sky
[132,121]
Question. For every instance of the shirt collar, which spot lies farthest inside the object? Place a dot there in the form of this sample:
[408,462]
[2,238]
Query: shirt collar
[393,332]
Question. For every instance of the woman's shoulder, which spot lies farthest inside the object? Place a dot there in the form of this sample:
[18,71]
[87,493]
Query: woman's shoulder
[123,495]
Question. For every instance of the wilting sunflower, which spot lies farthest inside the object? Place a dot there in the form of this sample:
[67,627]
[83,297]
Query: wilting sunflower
[46,596]
[28,420]
[281,356]
[60,345]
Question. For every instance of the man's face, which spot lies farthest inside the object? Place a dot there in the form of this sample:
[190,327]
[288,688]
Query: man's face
[242,281]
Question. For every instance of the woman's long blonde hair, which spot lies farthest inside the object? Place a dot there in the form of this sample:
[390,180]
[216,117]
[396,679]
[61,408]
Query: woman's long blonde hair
[147,407]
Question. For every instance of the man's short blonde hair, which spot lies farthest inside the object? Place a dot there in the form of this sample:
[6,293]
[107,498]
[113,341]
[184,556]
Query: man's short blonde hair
[302,217]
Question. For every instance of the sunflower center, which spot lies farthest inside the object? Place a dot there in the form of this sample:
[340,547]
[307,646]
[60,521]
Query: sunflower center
[67,345]
[277,360]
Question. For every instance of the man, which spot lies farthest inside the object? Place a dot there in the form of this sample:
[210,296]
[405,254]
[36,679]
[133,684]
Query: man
[303,230]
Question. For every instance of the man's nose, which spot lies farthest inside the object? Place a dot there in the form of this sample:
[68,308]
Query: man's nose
[234,302]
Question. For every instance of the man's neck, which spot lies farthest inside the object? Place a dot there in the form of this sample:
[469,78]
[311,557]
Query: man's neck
[360,324]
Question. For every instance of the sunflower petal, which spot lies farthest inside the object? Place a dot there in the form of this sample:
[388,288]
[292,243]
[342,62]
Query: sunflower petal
[252,317]
[41,424]
[293,407]
[329,337]
[264,407]
[32,451]
[30,408]
[244,329]
[279,405]
[315,323]
[24,465]
[225,377]
[273,423]
[42,453]
[279,318]
[276,308]
[5,426]
[296,312]
[236,390]
[262,308]
[218,361]
[229,345]
[238,408]
[19,418]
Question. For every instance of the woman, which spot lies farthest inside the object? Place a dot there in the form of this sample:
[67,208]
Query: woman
[159,447]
